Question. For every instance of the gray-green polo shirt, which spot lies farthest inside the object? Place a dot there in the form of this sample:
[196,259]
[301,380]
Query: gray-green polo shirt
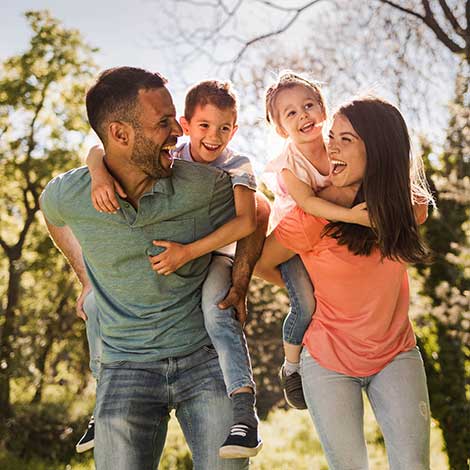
[144,316]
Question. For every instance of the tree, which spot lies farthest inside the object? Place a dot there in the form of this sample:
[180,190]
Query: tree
[42,125]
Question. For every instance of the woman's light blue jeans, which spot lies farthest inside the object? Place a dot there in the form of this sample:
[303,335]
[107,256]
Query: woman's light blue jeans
[223,328]
[302,300]
[399,398]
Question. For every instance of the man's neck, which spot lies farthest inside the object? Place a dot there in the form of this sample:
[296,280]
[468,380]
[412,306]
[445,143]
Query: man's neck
[134,182]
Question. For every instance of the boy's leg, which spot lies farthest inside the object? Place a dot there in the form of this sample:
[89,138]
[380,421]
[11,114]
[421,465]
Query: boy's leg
[302,306]
[132,412]
[224,330]
[399,398]
[226,334]
[336,406]
[204,410]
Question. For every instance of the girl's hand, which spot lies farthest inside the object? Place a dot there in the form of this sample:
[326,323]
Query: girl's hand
[360,215]
[174,256]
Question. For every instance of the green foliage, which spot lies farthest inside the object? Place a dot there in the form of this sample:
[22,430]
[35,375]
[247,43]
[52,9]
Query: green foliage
[445,324]
[42,127]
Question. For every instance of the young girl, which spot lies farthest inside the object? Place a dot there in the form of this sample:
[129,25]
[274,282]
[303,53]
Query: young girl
[296,108]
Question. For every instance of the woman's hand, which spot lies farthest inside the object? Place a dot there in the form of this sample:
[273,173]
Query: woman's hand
[174,256]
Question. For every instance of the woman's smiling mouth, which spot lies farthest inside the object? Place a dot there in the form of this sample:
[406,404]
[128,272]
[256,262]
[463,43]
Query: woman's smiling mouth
[337,166]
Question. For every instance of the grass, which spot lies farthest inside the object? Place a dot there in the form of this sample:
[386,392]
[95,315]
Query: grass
[290,441]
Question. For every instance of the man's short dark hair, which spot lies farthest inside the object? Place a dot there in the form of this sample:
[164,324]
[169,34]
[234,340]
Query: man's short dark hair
[114,96]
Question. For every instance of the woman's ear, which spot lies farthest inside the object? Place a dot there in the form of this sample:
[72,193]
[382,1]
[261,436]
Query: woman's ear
[185,125]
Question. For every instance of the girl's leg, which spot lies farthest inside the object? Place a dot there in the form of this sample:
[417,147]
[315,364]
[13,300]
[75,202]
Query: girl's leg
[399,398]
[302,306]
[335,404]
[302,301]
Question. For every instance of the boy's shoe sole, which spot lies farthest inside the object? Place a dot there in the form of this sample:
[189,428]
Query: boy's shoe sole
[79,448]
[238,452]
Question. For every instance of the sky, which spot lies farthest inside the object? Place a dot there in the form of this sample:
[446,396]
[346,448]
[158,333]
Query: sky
[125,33]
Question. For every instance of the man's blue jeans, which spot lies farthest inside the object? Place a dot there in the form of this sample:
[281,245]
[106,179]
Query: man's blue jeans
[133,405]
[95,344]
[398,395]
[223,328]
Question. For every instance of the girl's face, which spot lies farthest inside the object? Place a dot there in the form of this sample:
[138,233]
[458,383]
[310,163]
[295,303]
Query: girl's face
[347,153]
[300,115]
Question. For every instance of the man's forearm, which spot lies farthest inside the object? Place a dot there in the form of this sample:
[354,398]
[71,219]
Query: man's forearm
[65,240]
[249,248]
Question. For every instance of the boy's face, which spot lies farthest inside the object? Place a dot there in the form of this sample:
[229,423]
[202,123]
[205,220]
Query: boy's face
[210,130]
[300,115]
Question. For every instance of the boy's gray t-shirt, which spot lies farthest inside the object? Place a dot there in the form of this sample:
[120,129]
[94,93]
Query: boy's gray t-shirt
[236,165]
[144,316]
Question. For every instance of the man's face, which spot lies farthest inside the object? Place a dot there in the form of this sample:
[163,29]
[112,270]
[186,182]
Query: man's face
[155,132]
[210,130]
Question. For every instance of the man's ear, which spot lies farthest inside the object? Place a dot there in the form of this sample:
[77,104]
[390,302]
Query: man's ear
[120,133]
[185,125]
[280,130]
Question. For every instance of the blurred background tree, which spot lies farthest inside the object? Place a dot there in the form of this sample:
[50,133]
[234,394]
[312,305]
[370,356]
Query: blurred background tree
[42,126]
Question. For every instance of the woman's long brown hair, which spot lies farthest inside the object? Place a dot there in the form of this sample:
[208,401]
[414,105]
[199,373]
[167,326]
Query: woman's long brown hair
[386,188]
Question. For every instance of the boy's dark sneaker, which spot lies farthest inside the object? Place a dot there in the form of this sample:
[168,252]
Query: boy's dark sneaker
[87,441]
[242,442]
[292,387]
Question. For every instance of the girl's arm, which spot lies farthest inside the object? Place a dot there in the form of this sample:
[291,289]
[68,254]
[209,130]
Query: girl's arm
[306,199]
[272,256]
[103,186]
[242,225]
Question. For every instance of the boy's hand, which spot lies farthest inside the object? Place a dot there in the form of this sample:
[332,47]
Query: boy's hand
[81,298]
[236,299]
[103,192]
[174,256]
[360,215]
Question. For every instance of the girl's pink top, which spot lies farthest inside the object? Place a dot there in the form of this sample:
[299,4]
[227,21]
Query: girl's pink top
[361,320]
[292,159]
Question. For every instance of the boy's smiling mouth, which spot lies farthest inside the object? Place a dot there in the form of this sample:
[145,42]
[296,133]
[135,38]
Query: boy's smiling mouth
[211,147]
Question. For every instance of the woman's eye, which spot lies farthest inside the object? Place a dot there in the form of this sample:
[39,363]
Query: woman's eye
[346,139]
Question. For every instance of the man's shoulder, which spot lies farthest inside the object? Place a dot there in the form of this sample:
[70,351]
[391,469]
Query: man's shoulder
[76,178]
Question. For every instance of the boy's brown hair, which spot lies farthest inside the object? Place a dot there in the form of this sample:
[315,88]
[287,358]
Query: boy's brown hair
[288,79]
[219,94]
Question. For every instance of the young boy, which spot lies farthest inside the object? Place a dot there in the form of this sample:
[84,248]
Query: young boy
[210,122]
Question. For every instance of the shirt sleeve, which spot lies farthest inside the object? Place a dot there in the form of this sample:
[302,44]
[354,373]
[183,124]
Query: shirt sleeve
[240,170]
[222,206]
[50,202]
[299,231]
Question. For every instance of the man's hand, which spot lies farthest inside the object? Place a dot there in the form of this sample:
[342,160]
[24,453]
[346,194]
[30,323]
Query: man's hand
[81,299]
[236,299]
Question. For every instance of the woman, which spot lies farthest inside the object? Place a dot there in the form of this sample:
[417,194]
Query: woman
[360,336]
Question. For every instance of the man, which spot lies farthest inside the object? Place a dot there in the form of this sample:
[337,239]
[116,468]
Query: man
[156,353]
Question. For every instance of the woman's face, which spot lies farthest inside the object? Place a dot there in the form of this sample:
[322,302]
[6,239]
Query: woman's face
[347,153]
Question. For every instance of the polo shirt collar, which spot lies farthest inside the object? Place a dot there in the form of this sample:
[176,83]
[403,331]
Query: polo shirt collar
[164,186]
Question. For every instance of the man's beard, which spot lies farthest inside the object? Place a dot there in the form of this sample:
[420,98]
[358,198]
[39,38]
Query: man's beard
[146,156]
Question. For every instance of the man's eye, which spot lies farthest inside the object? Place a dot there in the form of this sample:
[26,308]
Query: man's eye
[164,123]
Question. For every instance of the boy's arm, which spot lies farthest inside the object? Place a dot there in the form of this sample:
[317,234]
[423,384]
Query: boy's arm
[103,186]
[242,225]
[66,242]
[306,199]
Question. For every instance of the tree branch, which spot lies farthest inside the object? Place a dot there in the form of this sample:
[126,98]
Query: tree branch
[451,18]
[403,9]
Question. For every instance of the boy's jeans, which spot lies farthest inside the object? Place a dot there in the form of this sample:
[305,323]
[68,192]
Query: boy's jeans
[224,330]
[93,334]
[133,404]
[399,398]
[302,300]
